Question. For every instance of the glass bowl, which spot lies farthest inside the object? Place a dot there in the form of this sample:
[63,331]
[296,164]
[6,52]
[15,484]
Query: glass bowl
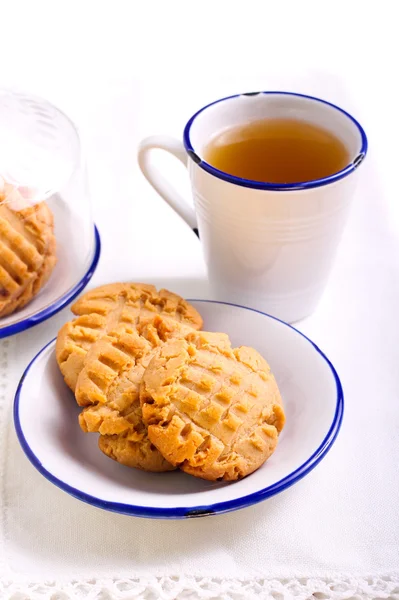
[41,160]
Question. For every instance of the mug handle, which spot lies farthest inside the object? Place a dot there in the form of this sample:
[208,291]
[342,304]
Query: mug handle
[158,181]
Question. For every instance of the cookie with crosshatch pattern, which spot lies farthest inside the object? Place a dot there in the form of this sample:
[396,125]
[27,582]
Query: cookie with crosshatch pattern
[108,388]
[102,309]
[213,410]
[27,249]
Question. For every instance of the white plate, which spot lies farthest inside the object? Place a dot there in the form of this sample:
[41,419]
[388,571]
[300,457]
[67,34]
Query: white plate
[73,271]
[45,416]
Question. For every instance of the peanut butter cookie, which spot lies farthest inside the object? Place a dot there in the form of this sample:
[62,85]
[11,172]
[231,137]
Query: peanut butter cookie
[101,310]
[213,410]
[27,251]
[108,387]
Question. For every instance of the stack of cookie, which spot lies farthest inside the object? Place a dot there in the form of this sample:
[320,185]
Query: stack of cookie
[161,393]
[27,249]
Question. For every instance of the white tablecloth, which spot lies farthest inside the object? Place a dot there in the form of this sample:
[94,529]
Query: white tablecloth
[123,76]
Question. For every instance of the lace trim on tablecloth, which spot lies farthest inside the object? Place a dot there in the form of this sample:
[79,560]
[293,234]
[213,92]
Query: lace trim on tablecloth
[203,588]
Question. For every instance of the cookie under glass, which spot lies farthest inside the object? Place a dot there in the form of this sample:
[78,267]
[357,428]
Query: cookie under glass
[42,159]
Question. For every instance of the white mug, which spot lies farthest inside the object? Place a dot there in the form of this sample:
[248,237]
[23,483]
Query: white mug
[267,246]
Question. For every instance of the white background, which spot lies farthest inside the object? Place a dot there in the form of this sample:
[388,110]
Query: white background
[124,70]
[127,69]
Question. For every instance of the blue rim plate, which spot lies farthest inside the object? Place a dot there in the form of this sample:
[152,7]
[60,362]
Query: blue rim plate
[43,369]
[52,309]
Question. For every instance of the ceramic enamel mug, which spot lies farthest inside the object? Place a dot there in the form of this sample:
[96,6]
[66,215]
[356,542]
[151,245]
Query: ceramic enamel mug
[267,246]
